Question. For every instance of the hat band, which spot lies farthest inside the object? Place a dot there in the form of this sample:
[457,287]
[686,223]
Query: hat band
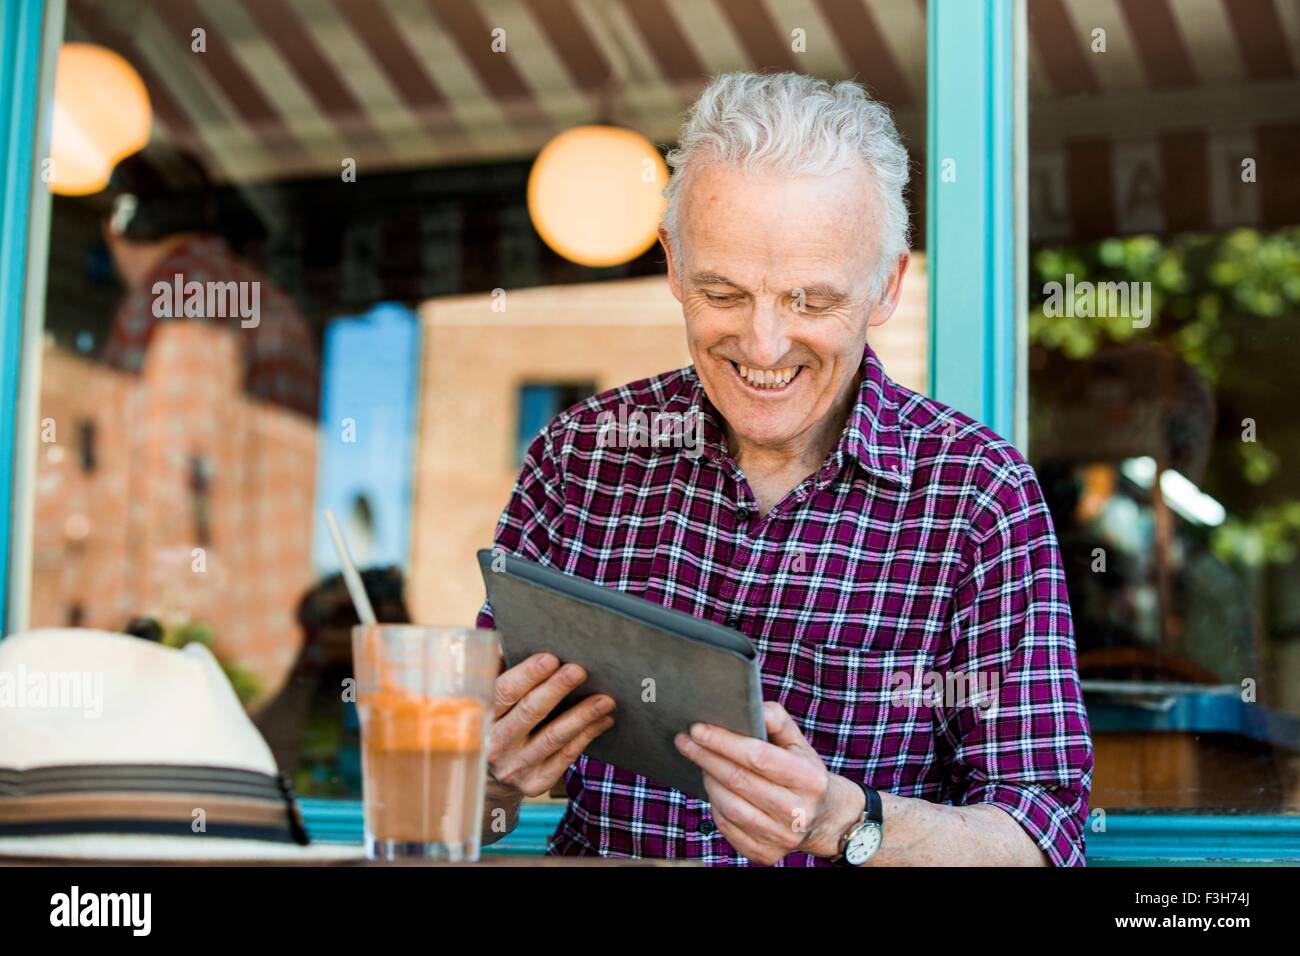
[171,800]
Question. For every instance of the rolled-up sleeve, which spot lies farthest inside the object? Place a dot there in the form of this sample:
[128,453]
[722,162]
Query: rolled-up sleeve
[1026,747]
[530,521]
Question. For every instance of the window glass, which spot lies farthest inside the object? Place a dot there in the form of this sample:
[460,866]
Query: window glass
[1164,210]
[321,285]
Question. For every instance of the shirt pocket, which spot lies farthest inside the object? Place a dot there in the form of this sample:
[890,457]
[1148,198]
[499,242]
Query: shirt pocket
[852,705]
[896,635]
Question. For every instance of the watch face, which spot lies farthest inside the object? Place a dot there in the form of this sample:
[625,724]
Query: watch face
[863,845]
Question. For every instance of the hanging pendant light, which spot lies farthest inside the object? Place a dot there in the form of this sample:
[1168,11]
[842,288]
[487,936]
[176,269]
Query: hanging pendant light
[595,194]
[102,113]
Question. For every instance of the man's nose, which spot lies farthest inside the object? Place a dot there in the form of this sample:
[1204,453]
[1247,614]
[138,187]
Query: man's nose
[767,340]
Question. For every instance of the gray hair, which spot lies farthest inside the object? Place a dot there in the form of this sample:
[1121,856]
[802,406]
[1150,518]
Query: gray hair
[802,126]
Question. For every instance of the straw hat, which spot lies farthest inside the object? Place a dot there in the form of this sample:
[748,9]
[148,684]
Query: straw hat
[113,747]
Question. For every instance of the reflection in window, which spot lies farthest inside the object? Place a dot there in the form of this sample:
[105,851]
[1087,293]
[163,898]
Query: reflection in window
[341,188]
[1164,301]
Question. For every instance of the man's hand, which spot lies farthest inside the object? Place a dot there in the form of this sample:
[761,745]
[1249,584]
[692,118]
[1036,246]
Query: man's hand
[522,763]
[772,798]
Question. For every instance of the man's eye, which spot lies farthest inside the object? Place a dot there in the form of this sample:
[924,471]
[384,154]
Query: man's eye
[816,307]
[716,298]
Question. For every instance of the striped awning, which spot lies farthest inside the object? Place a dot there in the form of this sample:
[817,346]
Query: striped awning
[290,87]
[1122,137]
[1163,116]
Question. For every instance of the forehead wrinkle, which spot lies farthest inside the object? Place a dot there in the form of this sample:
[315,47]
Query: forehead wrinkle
[821,291]
[717,229]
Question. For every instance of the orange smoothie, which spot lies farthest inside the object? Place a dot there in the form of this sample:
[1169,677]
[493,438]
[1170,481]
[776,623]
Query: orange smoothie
[422,760]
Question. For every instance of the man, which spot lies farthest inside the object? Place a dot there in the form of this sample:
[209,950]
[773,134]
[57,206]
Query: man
[864,537]
[161,225]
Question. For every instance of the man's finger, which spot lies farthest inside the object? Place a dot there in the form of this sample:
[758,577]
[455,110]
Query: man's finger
[771,797]
[778,765]
[751,846]
[781,728]
[553,767]
[536,705]
[513,684]
[757,823]
[748,848]
[559,733]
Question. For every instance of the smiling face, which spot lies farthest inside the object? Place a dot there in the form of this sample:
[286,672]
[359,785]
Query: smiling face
[774,276]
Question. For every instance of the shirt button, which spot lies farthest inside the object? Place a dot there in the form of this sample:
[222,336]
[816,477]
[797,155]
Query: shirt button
[732,621]
[743,514]
[706,827]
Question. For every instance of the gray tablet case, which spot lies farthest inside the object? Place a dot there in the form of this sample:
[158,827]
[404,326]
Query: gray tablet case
[665,669]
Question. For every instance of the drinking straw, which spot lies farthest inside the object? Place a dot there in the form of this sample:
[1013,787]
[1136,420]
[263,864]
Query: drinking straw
[356,589]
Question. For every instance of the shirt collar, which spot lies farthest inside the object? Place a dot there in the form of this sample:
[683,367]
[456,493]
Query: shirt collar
[871,438]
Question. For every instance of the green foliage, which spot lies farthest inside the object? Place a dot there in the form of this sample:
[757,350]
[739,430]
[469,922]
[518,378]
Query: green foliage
[1270,536]
[1229,303]
[245,684]
[1198,282]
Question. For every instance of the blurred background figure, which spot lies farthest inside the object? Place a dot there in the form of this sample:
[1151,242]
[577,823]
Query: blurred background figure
[161,223]
[311,725]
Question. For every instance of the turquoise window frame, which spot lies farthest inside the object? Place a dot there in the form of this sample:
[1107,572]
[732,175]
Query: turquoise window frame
[22,42]
[976,117]
[1129,839]
[973,119]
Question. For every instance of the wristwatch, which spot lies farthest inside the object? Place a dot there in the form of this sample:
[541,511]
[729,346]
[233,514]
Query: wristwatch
[860,843]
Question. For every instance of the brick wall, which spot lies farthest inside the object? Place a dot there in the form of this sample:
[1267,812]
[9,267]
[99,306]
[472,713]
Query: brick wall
[118,541]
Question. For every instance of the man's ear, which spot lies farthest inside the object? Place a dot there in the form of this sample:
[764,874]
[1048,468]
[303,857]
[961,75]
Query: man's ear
[888,302]
[674,274]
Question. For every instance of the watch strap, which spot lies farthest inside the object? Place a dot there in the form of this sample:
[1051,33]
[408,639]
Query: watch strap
[875,806]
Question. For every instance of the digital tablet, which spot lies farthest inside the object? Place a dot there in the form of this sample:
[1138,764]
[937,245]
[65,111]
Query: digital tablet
[665,669]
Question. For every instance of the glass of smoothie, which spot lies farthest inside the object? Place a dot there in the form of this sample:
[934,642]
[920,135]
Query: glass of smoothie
[424,696]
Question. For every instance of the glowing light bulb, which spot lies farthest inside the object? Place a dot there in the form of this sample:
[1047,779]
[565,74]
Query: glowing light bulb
[102,113]
[595,194]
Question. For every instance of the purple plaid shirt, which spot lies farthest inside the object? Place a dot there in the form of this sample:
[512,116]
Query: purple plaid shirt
[907,602]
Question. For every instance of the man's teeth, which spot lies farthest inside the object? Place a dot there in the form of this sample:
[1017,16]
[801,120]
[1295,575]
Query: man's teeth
[767,378]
